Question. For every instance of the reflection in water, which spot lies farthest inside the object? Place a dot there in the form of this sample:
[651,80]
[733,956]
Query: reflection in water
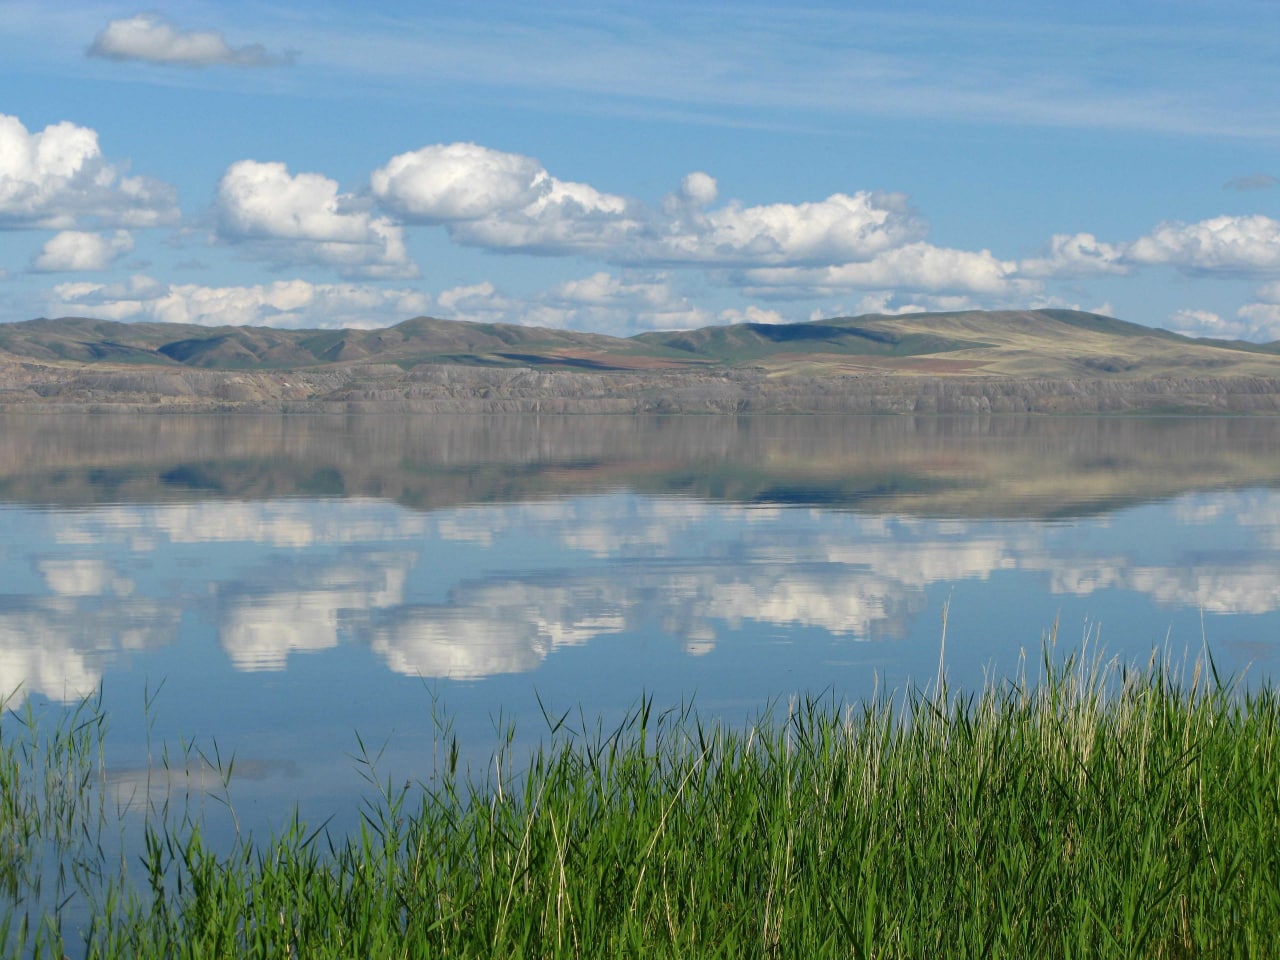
[58,647]
[259,627]
[979,467]
[286,578]
[496,589]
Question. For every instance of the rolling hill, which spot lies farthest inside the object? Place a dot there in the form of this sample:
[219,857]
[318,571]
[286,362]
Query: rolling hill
[1033,360]
[1034,343]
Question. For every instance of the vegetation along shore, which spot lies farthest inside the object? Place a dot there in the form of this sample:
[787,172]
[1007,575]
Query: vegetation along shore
[1084,809]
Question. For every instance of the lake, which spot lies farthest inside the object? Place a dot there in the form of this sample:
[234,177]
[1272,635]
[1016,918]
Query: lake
[288,589]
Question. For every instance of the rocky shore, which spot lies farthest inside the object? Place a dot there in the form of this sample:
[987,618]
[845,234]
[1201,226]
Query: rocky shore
[468,389]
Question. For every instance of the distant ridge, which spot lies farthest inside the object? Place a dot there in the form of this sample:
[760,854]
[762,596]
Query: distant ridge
[1031,343]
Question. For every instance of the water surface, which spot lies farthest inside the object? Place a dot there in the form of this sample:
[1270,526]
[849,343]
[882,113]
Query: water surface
[272,587]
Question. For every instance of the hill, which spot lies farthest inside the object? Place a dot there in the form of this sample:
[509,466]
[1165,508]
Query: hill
[1033,343]
[1034,360]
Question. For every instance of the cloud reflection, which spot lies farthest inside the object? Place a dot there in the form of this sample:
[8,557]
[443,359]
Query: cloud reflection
[259,626]
[57,647]
[307,576]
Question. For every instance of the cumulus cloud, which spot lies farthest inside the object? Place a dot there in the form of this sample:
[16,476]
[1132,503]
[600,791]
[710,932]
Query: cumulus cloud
[1076,255]
[458,181]
[151,38]
[73,250]
[303,218]
[1202,323]
[916,267]
[58,179]
[865,241]
[1260,321]
[285,303]
[500,200]
[752,314]
[472,296]
[1270,292]
[605,290]
[842,227]
[1233,244]
[506,201]
[883,302]
[620,304]
[699,189]
[602,303]
[567,218]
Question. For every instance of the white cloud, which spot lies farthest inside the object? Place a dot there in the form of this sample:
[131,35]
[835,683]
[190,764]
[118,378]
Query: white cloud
[1203,323]
[880,302]
[499,200]
[506,201]
[116,301]
[605,290]
[601,303]
[482,296]
[624,305]
[285,303]
[567,218]
[153,39]
[304,219]
[1270,292]
[1243,244]
[57,179]
[1261,321]
[752,314]
[1075,255]
[841,228]
[458,181]
[73,250]
[699,189]
[916,267]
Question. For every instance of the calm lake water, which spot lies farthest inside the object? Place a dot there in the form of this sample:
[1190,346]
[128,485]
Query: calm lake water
[275,587]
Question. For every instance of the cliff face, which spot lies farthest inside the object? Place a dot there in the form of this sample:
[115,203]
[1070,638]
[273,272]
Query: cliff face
[469,389]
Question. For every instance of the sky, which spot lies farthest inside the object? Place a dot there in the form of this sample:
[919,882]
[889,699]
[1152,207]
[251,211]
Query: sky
[624,167]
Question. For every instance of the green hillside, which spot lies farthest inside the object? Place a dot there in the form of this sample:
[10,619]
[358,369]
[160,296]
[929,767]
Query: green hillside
[1032,343]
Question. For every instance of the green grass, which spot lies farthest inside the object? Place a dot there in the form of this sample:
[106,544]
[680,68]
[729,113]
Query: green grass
[1093,810]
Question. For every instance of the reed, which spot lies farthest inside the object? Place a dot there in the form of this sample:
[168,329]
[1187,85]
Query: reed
[1094,810]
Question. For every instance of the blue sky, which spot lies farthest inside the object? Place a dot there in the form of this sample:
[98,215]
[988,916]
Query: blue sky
[626,167]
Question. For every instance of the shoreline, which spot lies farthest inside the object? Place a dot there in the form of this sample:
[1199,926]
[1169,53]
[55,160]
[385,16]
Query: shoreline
[442,388]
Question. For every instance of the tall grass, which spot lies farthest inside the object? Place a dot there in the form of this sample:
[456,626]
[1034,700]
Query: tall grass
[53,818]
[1095,810]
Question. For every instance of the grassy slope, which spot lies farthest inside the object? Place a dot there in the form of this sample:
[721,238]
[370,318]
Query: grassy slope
[421,340]
[1058,344]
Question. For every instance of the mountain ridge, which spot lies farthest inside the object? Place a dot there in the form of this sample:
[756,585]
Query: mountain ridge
[987,342]
[1034,361]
